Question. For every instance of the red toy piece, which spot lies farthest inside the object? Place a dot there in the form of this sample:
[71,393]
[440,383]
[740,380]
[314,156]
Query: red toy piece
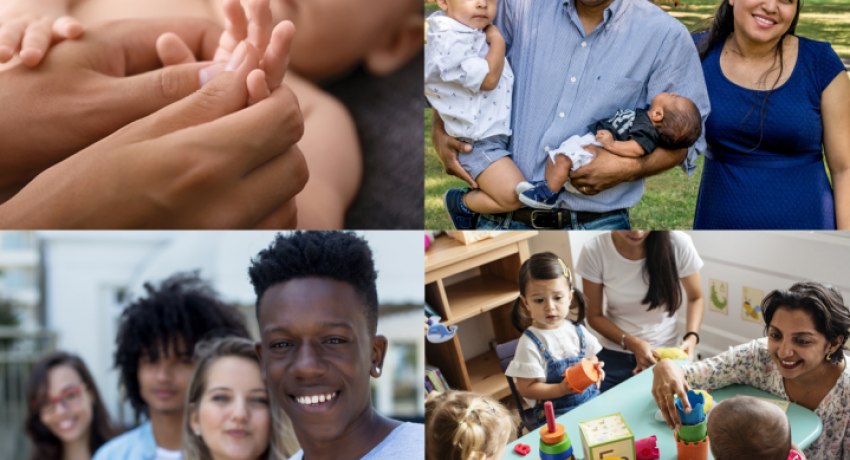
[522,449]
[550,415]
[645,449]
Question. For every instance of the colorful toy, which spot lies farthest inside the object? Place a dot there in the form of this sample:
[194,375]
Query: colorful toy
[645,449]
[581,375]
[691,438]
[555,444]
[607,436]
[439,333]
[522,449]
[671,353]
[709,400]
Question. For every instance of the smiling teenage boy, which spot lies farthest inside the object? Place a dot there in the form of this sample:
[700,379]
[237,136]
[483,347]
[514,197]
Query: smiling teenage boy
[156,339]
[317,308]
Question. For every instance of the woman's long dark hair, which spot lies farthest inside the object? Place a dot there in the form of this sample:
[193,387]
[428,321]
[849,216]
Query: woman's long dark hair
[45,445]
[543,266]
[722,27]
[660,269]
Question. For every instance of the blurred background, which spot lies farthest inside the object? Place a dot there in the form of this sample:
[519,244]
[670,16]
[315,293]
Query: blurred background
[67,290]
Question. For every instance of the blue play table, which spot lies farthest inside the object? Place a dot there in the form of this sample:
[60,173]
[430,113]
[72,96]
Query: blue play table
[633,399]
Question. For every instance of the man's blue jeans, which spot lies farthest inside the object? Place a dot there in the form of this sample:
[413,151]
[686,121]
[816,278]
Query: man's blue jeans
[617,221]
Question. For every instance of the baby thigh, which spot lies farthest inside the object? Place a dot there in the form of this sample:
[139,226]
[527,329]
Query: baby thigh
[499,181]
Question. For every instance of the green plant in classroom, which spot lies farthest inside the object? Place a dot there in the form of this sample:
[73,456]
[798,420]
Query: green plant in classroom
[716,301]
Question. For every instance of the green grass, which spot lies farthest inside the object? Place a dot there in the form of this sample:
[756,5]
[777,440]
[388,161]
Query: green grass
[669,198]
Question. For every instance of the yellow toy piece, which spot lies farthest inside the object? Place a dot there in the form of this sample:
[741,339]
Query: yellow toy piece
[671,353]
[709,401]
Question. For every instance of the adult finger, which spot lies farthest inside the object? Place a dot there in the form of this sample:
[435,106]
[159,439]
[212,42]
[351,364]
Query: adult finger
[260,26]
[225,94]
[137,39]
[173,51]
[66,27]
[274,183]
[235,29]
[11,33]
[36,41]
[274,125]
[276,58]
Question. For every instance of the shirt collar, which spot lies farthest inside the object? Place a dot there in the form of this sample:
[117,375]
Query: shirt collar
[611,11]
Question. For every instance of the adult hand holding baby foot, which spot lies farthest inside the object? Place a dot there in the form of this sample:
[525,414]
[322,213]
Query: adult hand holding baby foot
[30,27]
[190,165]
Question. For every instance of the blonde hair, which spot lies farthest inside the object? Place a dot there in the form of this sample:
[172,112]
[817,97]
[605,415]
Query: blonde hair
[283,443]
[461,425]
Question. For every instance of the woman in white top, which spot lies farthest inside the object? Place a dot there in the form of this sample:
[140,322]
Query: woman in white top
[641,274]
[801,360]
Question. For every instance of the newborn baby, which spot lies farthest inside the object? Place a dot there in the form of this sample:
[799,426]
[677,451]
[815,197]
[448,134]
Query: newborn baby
[744,428]
[333,37]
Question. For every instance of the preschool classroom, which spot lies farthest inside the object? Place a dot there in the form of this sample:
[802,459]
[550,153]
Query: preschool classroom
[728,280]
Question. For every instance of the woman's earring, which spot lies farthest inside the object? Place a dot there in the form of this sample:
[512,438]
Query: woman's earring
[378,370]
[828,356]
[198,433]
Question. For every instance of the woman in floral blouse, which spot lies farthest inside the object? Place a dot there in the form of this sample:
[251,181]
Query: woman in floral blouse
[800,360]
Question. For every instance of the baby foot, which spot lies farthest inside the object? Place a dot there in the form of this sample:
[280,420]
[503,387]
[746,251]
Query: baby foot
[30,32]
[273,44]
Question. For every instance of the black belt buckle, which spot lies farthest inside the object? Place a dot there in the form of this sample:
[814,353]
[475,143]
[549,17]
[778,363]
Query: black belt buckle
[551,225]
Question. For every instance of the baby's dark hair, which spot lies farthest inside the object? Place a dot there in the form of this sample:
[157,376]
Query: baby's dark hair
[543,266]
[744,428]
[462,425]
[681,126]
[340,256]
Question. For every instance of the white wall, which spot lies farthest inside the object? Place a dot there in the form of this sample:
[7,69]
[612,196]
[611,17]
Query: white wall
[765,261]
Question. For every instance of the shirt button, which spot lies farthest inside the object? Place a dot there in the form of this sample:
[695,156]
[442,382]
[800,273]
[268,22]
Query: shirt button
[561,114]
[583,44]
[573,79]
[546,148]
[607,25]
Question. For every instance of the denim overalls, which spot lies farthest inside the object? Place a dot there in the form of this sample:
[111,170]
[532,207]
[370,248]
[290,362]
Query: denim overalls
[555,374]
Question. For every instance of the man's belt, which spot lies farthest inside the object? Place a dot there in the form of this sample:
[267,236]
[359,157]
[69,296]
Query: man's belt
[544,219]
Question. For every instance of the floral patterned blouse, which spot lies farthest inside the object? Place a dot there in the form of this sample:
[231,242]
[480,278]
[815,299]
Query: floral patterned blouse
[751,364]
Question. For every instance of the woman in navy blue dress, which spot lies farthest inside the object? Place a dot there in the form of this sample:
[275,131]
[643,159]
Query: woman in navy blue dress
[778,104]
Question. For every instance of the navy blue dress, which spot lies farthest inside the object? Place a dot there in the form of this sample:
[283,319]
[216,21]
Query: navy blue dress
[772,178]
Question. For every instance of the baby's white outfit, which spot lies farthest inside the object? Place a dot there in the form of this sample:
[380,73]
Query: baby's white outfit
[455,67]
[572,148]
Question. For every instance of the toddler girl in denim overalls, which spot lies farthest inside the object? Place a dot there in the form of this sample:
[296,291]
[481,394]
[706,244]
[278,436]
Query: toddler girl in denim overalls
[550,344]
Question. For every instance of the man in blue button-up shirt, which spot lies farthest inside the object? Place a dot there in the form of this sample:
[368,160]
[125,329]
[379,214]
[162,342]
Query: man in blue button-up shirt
[576,62]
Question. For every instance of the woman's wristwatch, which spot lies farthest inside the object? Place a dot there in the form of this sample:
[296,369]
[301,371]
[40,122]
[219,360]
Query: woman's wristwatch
[623,341]
[691,334]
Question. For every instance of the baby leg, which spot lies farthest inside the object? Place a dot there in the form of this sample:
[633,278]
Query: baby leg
[497,188]
[558,173]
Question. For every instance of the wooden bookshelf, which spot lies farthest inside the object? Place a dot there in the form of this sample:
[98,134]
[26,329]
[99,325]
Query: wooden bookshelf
[492,289]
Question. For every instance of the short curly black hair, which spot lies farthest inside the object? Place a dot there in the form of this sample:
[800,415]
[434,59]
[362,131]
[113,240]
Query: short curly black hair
[181,306]
[340,256]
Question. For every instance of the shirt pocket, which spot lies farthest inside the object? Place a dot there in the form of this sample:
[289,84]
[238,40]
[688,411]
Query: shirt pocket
[611,93]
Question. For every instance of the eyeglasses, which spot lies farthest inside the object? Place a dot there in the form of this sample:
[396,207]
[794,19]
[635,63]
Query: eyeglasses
[69,399]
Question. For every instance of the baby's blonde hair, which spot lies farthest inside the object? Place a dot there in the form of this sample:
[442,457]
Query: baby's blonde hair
[461,425]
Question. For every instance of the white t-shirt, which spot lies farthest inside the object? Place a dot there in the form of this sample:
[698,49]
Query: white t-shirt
[562,343]
[406,441]
[455,67]
[165,454]
[625,287]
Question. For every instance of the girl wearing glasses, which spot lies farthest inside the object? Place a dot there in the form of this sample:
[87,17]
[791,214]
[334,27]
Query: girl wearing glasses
[66,419]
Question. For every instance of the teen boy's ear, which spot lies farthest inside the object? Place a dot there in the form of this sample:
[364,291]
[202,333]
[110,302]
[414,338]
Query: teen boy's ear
[398,46]
[379,352]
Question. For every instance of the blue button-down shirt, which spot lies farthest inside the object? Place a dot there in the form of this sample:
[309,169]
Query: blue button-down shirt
[566,79]
[137,444]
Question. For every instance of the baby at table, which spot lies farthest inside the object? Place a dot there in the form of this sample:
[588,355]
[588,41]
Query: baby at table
[333,37]
[672,122]
[743,427]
